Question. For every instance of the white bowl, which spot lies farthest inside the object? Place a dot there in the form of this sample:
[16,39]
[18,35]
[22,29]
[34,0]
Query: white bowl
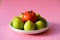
[30,32]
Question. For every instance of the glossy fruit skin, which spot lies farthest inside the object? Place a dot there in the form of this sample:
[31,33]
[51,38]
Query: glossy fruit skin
[29,26]
[26,17]
[34,17]
[29,16]
[39,25]
[17,23]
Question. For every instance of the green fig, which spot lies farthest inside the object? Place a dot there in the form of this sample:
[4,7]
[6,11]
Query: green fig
[17,23]
[29,25]
[43,20]
[21,15]
[39,25]
[37,15]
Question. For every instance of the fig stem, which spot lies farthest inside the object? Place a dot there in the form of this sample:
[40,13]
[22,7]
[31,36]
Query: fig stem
[21,13]
[30,11]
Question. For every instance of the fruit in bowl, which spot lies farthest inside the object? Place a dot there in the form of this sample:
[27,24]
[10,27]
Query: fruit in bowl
[17,23]
[29,23]
[29,26]
[29,15]
[39,25]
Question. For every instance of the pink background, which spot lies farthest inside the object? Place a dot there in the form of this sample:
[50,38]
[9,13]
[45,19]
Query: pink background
[49,9]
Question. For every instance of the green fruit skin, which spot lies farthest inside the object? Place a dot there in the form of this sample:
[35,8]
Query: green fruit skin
[29,26]
[39,25]
[37,15]
[40,18]
[17,23]
[43,20]
[21,15]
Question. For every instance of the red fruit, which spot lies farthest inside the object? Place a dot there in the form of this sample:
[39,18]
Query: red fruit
[26,17]
[29,15]
[34,17]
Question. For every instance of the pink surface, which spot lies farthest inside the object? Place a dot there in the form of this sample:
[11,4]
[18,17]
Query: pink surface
[49,9]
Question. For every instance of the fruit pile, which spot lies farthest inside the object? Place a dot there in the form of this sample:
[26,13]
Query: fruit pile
[28,21]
